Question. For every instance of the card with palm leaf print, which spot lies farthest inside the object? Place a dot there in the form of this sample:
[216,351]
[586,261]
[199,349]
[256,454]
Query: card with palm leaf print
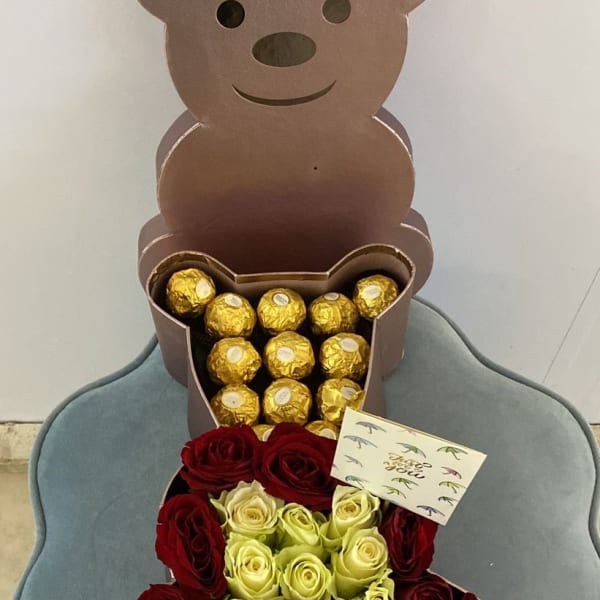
[418,471]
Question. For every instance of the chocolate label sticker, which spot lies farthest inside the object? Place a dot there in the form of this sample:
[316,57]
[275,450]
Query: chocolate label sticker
[413,469]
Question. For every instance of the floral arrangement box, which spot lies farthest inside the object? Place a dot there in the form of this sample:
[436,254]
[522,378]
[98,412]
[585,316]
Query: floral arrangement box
[284,172]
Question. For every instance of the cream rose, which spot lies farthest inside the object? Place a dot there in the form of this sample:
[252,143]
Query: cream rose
[249,510]
[362,560]
[250,569]
[305,577]
[351,509]
[299,526]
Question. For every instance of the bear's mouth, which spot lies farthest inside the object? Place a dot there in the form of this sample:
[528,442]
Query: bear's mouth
[284,101]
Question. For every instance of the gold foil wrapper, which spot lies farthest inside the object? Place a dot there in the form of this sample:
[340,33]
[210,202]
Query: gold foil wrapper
[236,405]
[332,313]
[344,355]
[287,401]
[263,431]
[324,429]
[188,293]
[233,360]
[289,354]
[229,315]
[372,295]
[335,395]
[281,309]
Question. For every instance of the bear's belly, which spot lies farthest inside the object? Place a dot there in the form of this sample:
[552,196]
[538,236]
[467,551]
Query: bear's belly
[300,201]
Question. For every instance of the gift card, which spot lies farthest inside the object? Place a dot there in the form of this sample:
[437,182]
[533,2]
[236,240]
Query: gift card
[418,471]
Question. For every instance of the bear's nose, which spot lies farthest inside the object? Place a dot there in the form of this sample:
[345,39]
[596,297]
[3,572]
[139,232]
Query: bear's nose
[284,49]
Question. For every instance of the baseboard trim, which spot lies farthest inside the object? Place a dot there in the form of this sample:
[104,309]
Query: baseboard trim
[16,441]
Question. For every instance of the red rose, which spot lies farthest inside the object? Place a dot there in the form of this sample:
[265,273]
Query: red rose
[161,592]
[431,587]
[220,459]
[410,542]
[190,542]
[468,596]
[295,464]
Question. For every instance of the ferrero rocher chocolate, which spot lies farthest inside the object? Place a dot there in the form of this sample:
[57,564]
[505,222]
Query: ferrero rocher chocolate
[236,405]
[280,310]
[287,401]
[229,315]
[335,395]
[289,354]
[233,360]
[263,431]
[188,293]
[324,429]
[344,355]
[332,313]
[372,295]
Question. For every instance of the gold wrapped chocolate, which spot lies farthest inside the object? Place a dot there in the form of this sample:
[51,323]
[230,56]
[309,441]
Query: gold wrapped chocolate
[332,313]
[263,431]
[289,354]
[233,360]
[188,293]
[324,429]
[280,310]
[236,405]
[229,315]
[345,355]
[372,295]
[287,401]
[335,395]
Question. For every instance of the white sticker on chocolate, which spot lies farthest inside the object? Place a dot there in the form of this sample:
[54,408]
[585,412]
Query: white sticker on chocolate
[233,301]
[232,399]
[283,396]
[234,354]
[281,299]
[349,345]
[372,292]
[285,354]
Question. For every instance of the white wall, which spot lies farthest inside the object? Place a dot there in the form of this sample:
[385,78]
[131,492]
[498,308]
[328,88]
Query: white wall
[500,99]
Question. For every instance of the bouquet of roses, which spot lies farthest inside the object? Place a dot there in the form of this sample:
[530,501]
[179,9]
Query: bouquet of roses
[264,520]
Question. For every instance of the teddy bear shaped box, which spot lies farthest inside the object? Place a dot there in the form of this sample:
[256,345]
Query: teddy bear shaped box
[284,190]
[285,172]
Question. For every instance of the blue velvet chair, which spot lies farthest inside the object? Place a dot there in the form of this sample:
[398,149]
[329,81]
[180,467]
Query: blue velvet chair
[526,530]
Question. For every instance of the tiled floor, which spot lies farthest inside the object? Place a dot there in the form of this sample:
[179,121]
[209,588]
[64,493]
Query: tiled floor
[16,524]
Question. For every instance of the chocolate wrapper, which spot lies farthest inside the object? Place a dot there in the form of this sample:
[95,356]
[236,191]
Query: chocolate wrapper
[263,431]
[229,315]
[281,309]
[289,354]
[233,360]
[236,405]
[332,313]
[344,355]
[335,395]
[188,293]
[324,429]
[287,401]
[372,295]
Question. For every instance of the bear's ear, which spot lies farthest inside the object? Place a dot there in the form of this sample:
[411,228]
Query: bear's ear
[408,5]
[159,8]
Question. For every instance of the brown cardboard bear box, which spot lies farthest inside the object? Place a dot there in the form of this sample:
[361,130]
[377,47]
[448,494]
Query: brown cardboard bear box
[285,171]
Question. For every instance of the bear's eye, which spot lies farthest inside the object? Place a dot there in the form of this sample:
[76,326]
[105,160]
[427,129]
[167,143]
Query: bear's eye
[336,11]
[231,14]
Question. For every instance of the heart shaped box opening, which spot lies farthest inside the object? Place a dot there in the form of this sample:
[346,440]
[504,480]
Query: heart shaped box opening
[385,335]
